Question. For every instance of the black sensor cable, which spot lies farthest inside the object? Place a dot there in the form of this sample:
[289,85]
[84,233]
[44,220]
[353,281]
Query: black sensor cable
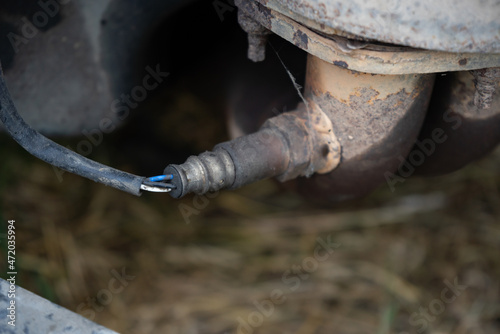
[63,158]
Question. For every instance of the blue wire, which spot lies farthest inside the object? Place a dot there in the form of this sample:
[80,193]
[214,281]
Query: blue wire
[160,178]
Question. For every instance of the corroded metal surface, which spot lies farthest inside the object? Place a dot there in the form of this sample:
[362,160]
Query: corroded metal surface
[364,57]
[445,25]
[376,119]
[257,37]
[466,132]
[486,81]
[313,146]
[298,143]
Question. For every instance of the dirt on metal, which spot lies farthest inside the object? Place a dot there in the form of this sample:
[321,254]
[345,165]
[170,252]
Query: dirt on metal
[376,119]
[365,57]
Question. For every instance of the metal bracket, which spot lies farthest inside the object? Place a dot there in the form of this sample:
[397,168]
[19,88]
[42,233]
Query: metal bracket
[371,58]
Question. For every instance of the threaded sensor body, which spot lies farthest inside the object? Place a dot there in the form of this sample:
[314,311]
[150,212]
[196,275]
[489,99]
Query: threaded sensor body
[286,146]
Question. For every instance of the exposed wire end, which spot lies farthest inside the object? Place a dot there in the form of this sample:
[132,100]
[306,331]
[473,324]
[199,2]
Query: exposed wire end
[160,178]
[155,189]
[156,184]
[159,184]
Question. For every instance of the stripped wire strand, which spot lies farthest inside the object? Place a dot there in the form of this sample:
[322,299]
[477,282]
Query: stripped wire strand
[158,178]
[156,184]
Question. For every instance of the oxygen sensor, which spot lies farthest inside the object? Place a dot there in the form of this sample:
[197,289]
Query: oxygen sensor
[292,144]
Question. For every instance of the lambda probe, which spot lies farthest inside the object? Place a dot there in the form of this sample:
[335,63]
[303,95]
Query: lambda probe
[292,144]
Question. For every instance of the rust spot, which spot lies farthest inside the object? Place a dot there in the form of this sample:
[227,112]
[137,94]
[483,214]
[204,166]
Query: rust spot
[325,150]
[267,15]
[300,39]
[341,63]
[462,62]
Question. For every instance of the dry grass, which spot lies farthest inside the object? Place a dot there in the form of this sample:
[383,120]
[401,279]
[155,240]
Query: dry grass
[396,249]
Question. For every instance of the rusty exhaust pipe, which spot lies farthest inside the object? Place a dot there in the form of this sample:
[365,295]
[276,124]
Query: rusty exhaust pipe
[350,129]
[469,129]
[376,118]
